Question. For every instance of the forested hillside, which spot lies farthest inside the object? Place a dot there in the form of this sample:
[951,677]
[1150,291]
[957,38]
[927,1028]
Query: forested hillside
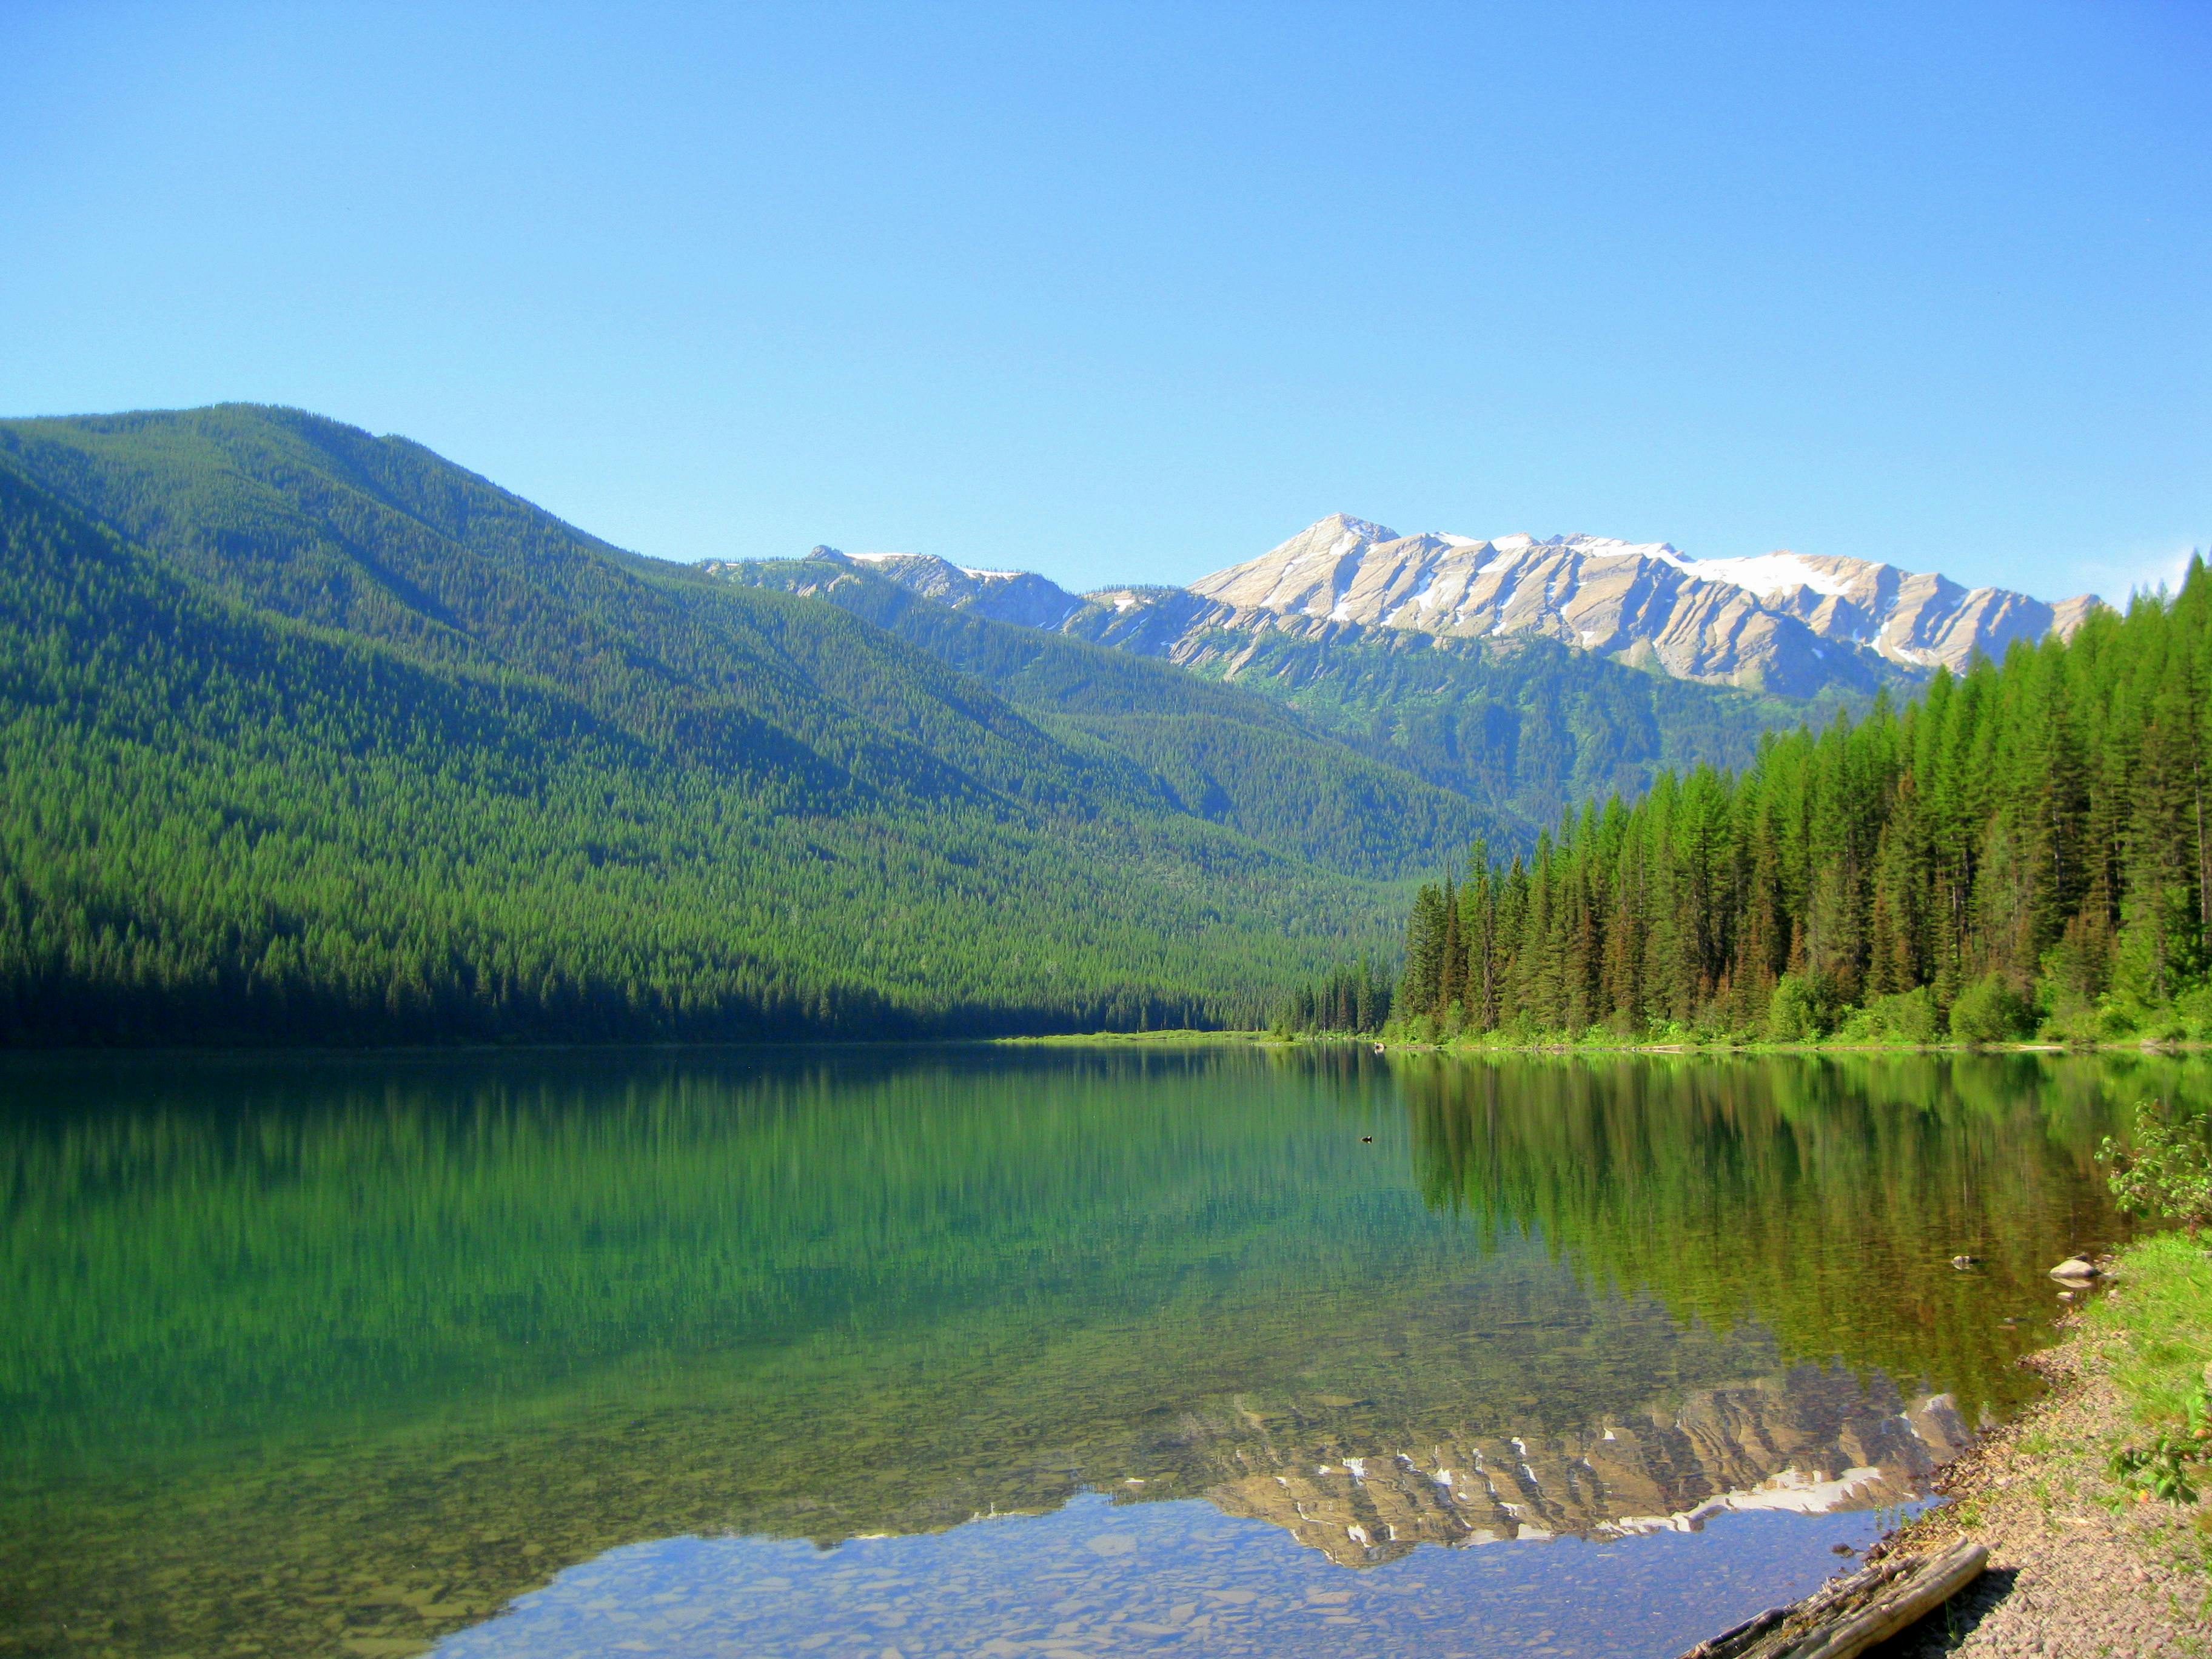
[2022,849]
[1219,752]
[1523,727]
[312,736]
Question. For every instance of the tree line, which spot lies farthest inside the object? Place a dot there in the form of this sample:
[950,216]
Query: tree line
[1349,999]
[2022,850]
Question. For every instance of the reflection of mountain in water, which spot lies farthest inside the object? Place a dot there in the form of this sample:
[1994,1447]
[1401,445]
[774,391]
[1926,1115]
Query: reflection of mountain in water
[1813,1440]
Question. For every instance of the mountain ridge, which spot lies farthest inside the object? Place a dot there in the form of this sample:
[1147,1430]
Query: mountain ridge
[1797,624]
[1523,729]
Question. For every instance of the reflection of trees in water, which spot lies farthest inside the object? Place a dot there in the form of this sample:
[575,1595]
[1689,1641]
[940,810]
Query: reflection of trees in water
[1823,1197]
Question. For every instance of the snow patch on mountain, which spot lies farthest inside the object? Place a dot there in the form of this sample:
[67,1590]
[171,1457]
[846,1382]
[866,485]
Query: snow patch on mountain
[1766,574]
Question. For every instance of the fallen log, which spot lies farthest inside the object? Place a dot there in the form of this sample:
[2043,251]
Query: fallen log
[1845,1618]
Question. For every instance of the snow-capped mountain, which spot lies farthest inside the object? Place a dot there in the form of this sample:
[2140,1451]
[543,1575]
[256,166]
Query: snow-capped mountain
[1791,622]
[1772,620]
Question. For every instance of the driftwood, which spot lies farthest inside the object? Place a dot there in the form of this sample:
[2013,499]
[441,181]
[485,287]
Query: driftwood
[1849,1616]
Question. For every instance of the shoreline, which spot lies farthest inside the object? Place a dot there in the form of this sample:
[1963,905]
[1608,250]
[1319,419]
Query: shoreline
[2078,1566]
[1716,1048]
[1172,1037]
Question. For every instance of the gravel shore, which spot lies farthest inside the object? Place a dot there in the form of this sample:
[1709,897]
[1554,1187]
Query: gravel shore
[2068,1576]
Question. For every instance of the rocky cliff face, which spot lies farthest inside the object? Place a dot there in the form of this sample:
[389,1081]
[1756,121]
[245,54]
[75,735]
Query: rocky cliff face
[1787,623]
[1811,1442]
[1778,620]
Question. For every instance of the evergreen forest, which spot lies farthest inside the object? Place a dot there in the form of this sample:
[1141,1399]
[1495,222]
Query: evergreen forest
[314,737]
[2019,852]
[311,736]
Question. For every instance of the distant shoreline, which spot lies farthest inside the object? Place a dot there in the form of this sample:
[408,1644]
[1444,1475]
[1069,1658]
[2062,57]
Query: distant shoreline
[1162,1039]
[1713,1051]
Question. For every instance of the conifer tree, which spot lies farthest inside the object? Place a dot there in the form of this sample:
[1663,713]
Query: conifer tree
[2036,826]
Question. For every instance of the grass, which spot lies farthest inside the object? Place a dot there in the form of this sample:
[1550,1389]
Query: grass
[2165,1310]
[2157,1330]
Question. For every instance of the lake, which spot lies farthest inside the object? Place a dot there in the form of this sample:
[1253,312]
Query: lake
[1055,1351]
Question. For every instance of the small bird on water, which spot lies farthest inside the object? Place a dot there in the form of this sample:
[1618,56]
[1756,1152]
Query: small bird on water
[1367,1137]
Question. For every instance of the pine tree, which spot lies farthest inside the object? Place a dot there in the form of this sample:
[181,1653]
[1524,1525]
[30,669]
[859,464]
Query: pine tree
[2037,824]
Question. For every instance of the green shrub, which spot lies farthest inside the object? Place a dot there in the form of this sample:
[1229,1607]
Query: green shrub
[2118,1017]
[1795,1013]
[2069,1016]
[1991,1010]
[2194,1009]
[2166,1172]
[1907,1016]
[2162,1467]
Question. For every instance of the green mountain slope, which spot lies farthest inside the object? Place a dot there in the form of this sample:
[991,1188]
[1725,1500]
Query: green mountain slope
[312,735]
[316,522]
[1216,751]
[1526,729]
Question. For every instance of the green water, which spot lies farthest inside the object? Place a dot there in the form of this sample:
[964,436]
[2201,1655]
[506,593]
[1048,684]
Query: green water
[343,1356]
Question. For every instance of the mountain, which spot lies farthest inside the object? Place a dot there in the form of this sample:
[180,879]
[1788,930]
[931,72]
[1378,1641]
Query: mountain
[312,735]
[1217,752]
[1525,728]
[1784,621]
[1797,624]
[1009,596]
[315,736]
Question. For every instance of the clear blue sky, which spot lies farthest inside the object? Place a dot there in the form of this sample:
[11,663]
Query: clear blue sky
[1129,292]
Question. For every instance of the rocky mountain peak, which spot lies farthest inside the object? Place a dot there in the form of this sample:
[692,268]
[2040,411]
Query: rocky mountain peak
[1797,624]
[1782,621]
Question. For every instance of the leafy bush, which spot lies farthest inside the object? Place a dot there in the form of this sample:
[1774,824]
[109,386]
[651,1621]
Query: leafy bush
[2168,1170]
[1991,1010]
[1906,1017]
[2194,1009]
[2161,1468]
[2069,1015]
[1799,1010]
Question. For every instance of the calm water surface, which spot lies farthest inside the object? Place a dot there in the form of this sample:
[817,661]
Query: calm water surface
[1066,1352]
